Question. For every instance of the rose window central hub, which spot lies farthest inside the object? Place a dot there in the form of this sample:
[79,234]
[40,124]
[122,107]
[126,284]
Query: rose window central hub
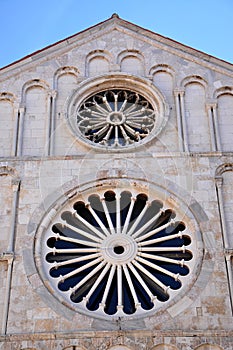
[116,118]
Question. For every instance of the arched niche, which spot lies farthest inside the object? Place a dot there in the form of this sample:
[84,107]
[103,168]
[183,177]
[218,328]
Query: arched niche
[196,115]
[65,81]
[69,76]
[163,78]
[131,62]
[97,63]
[7,121]
[35,98]
[225,117]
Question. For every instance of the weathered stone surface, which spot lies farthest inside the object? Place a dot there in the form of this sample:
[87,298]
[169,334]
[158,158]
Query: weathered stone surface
[189,162]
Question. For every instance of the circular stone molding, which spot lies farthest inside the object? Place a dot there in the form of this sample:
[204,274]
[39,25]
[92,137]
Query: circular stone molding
[116,112]
[118,250]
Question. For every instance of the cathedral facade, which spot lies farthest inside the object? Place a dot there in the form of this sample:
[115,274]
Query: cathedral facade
[116,176]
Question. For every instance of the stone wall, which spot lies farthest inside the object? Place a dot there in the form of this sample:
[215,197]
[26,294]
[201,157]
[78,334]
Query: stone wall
[42,159]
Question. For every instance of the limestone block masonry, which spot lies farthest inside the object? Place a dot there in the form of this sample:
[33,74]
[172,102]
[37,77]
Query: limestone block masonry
[116,177]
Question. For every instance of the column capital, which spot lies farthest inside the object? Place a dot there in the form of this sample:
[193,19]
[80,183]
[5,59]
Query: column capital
[219,181]
[15,183]
[52,93]
[179,91]
[211,103]
[228,254]
[16,107]
[22,108]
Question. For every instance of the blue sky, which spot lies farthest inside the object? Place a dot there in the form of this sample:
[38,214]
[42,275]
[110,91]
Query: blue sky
[27,26]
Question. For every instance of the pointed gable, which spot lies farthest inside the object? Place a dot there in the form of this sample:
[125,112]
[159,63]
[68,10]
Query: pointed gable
[123,26]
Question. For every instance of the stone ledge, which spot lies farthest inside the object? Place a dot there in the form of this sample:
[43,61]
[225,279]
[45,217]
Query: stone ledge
[102,334]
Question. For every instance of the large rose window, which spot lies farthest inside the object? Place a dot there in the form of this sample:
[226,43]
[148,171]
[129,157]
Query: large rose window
[117,253]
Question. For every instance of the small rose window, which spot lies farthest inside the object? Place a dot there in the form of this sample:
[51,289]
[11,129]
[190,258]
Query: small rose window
[116,118]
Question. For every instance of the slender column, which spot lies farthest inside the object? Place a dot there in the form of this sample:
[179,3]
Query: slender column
[230,275]
[51,128]
[16,187]
[22,110]
[219,182]
[228,251]
[10,254]
[209,107]
[185,136]
[15,130]
[179,121]
[48,124]
[216,127]
[9,258]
